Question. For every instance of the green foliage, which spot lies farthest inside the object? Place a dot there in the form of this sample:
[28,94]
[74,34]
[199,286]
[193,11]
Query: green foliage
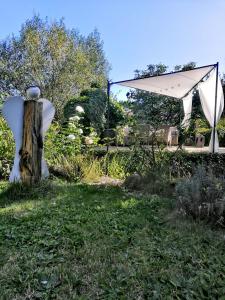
[89,242]
[202,127]
[182,164]
[117,116]
[176,165]
[202,196]
[63,139]
[151,70]
[189,66]
[94,102]
[221,131]
[124,163]
[155,110]
[7,149]
[157,181]
[64,145]
[77,167]
[6,137]
[221,127]
[61,61]
[148,171]
[167,166]
[117,166]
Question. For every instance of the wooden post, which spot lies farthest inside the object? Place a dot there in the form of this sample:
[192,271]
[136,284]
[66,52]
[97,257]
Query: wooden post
[32,143]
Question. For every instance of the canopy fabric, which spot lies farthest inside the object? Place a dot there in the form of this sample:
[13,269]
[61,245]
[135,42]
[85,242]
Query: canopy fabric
[207,90]
[187,105]
[180,85]
[176,84]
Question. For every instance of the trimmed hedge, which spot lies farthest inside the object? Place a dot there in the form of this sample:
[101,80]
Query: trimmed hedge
[184,162]
[179,163]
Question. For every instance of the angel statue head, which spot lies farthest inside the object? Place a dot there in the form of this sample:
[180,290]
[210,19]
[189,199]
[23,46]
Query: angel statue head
[33,92]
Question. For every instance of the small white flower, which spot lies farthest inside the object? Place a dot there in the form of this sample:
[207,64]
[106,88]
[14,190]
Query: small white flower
[76,118]
[79,109]
[88,140]
[72,125]
[80,131]
[71,137]
[126,130]
[93,133]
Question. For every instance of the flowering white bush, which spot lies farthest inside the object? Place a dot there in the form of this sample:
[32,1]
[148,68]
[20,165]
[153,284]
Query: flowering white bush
[93,133]
[71,125]
[126,130]
[79,109]
[75,118]
[71,137]
[88,140]
[80,131]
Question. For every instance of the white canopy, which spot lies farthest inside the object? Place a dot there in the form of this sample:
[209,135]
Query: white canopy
[207,93]
[176,84]
[180,84]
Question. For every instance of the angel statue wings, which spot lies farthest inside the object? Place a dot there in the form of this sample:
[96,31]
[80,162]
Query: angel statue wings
[29,119]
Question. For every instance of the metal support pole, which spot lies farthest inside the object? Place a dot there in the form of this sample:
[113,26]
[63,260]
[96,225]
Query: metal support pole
[215,108]
[180,132]
[108,112]
[107,128]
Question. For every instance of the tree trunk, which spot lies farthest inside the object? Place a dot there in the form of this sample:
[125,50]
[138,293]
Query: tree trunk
[32,144]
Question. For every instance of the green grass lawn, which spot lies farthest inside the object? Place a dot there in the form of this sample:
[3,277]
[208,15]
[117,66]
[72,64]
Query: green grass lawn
[90,242]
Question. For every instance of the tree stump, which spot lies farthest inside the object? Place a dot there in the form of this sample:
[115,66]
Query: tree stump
[32,143]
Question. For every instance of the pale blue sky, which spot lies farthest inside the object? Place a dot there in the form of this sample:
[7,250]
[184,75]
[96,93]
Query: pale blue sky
[135,32]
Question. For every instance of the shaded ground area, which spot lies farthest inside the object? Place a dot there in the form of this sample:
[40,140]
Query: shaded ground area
[94,242]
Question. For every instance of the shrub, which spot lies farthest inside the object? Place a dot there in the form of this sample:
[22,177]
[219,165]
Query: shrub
[158,181]
[94,101]
[117,167]
[76,167]
[63,139]
[91,168]
[64,144]
[221,131]
[202,196]
[183,164]
[7,149]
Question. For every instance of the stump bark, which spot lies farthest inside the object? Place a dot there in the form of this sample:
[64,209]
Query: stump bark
[32,143]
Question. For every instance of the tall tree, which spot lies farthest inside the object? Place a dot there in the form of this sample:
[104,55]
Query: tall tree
[61,61]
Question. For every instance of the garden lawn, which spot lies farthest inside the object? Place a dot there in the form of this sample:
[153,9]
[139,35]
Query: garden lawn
[91,242]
